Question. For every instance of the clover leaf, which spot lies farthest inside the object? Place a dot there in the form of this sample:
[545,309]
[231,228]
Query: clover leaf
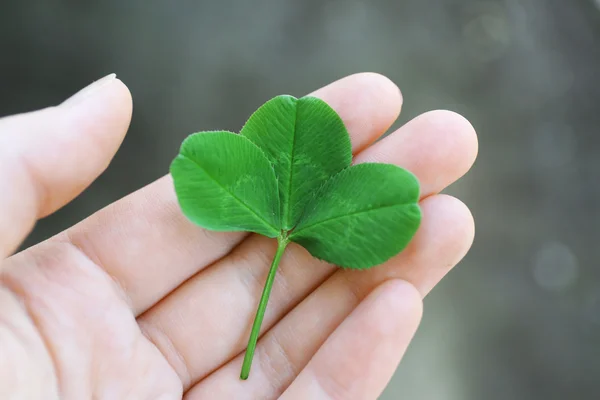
[288,175]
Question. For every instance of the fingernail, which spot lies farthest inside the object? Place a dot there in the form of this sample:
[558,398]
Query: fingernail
[90,90]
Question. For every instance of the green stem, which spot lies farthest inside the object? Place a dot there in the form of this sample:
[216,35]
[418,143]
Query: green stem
[262,306]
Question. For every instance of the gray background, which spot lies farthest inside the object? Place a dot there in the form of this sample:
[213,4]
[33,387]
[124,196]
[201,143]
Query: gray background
[520,317]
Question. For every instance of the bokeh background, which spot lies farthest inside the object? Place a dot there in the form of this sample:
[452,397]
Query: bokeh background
[519,318]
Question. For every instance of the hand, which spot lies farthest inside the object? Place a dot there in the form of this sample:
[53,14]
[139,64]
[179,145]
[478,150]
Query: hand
[135,302]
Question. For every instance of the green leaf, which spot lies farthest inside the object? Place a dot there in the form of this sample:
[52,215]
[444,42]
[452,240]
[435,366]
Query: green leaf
[361,217]
[225,183]
[307,143]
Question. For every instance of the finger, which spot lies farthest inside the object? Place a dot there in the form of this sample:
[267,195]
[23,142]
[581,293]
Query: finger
[288,346]
[429,271]
[355,362]
[150,248]
[359,358]
[48,157]
[209,294]
[380,105]
[438,146]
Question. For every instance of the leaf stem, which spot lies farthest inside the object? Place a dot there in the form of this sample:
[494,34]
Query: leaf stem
[282,242]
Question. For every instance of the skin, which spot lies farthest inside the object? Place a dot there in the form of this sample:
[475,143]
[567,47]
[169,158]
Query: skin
[135,302]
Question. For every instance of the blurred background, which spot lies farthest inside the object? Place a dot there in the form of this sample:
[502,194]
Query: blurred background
[519,318]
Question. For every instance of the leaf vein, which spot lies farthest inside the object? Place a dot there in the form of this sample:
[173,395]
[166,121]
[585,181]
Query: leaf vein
[304,228]
[292,153]
[240,201]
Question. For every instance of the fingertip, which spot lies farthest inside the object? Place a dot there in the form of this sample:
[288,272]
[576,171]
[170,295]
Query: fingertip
[86,130]
[126,98]
[458,134]
[114,100]
[121,97]
[103,116]
[379,93]
[369,103]
[109,89]
[403,300]
[385,86]
[438,146]
[454,216]
[446,232]
[465,223]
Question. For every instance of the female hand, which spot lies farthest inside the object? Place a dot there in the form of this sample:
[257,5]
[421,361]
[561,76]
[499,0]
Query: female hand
[135,302]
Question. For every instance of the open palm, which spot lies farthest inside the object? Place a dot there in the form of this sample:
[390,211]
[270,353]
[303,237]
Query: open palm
[135,302]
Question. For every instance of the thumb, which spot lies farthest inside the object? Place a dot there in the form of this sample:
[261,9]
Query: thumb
[48,157]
